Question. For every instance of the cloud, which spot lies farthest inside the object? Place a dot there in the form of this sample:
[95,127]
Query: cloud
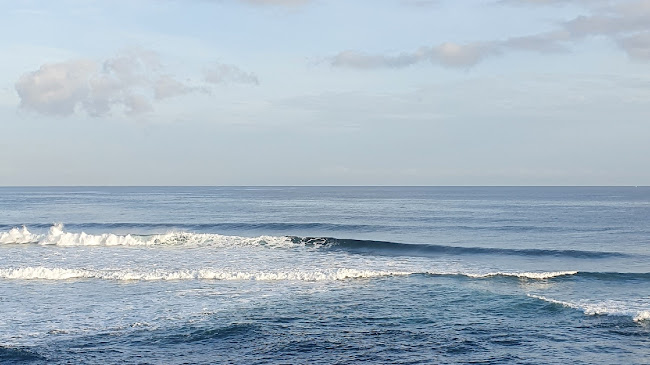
[356,59]
[129,83]
[56,88]
[637,46]
[224,73]
[456,55]
[451,54]
[166,87]
[627,23]
[447,54]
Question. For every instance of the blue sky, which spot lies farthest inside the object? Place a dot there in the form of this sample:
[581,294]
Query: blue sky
[314,92]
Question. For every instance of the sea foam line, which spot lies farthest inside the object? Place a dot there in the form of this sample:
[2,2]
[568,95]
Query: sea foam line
[56,236]
[525,275]
[608,308]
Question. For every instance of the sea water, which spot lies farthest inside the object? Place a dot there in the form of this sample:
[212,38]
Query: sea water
[323,275]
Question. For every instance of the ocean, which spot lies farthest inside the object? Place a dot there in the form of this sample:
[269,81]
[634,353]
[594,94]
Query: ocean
[324,275]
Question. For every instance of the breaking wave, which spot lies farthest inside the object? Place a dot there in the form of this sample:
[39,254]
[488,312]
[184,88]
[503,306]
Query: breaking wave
[525,275]
[56,236]
[604,308]
[46,273]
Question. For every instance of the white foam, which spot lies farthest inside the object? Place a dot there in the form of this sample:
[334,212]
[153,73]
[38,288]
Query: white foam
[56,236]
[525,275]
[642,316]
[16,235]
[44,273]
[603,308]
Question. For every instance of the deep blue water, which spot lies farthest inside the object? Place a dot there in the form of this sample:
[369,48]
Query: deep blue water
[322,275]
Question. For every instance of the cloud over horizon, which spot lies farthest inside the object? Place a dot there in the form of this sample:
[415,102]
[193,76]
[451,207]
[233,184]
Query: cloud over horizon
[129,83]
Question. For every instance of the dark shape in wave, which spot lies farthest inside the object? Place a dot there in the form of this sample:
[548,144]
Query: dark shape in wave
[370,246]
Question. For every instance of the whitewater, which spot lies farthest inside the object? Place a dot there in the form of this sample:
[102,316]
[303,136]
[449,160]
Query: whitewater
[206,275]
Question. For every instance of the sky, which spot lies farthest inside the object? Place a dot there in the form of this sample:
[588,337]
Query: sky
[325,92]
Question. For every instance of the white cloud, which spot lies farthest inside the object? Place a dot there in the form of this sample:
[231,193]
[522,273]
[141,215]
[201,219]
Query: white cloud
[129,84]
[56,89]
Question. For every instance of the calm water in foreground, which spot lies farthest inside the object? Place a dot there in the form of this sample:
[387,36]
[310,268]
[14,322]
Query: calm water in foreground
[204,275]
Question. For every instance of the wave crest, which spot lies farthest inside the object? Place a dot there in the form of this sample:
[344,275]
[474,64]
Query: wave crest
[605,308]
[525,275]
[16,235]
[316,274]
[56,236]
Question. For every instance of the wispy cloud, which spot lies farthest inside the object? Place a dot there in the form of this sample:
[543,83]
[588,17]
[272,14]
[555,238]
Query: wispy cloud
[627,23]
[447,54]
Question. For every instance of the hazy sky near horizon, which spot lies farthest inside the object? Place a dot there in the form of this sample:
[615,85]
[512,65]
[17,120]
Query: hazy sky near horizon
[316,92]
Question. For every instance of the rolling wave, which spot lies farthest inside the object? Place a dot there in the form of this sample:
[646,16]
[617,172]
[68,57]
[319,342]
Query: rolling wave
[363,246]
[58,237]
[603,276]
